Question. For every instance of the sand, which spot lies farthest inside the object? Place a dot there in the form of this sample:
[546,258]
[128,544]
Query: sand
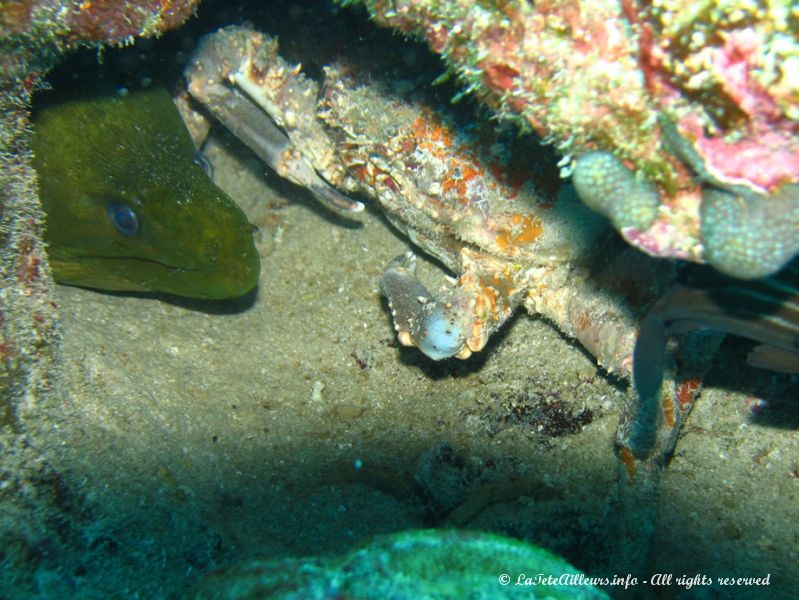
[187,435]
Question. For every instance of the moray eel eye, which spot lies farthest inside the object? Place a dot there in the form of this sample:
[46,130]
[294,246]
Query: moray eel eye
[124,219]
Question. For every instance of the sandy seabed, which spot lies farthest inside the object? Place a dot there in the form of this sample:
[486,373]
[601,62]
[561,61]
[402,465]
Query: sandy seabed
[190,435]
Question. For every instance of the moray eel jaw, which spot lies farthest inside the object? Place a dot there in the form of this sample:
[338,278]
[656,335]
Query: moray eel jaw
[127,206]
[137,275]
[131,273]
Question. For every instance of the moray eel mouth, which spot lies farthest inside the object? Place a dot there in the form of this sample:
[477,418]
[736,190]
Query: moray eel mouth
[228,270]
[133,273]
[129,208]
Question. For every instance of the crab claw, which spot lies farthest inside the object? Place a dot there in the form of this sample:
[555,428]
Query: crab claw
[329,195]
[438,326]
[216,74]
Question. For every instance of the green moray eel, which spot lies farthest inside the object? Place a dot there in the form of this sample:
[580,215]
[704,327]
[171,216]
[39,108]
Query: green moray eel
[129,208]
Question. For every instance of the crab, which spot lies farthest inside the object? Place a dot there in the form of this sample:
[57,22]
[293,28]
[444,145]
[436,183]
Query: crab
[453,193]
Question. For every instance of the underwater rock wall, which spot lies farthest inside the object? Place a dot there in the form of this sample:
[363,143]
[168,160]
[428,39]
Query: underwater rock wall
[692,99]
[28,326]
[33,34]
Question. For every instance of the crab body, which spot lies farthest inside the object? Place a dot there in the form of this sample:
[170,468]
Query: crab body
[451,189]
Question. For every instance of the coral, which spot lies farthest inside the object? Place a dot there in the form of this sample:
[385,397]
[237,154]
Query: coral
[411,564]
[114,22]
[747,236]
[107,21]
[568,69]
[33,34]
[27,309]
[629,78]
[608,187]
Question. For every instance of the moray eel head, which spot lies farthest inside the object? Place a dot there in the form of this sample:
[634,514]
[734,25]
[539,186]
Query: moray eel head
[128,208]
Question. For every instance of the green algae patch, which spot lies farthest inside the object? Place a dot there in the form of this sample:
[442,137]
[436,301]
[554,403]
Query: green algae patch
[129,208]
[422,564]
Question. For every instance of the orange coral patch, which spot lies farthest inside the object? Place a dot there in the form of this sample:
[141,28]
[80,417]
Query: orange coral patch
[468,173]
[449,184]
[419,127]
[628,459]
[430,133]
[668,411]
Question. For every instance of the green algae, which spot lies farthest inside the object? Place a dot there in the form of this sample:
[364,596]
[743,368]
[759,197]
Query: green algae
[128,207]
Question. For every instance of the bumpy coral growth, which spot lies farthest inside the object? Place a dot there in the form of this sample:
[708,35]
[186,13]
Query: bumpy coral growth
[112,21]
[608,187]
[733,227]
[722,75]
[411,564]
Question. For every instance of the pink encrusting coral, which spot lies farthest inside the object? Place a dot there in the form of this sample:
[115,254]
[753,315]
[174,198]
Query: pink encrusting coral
[687,95]
[764,160]
[746,123]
